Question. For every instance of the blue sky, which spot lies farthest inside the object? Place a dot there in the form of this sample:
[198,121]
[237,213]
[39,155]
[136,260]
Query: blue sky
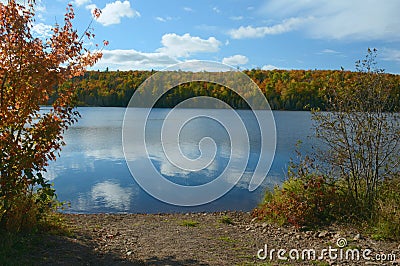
[284,34]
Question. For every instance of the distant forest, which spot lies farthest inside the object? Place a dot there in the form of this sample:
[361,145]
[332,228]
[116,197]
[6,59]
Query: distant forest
[284,89]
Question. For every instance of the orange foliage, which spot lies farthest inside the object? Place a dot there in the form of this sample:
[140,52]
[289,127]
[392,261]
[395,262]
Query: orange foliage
[30,69]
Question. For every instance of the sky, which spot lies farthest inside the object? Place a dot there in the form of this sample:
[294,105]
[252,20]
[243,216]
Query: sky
[282,34]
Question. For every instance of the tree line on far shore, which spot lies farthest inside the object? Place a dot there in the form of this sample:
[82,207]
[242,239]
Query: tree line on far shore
[284,89]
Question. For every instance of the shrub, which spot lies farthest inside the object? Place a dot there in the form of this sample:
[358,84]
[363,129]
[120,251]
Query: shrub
[386,221]
[361,133]
[31,211]
[304,201]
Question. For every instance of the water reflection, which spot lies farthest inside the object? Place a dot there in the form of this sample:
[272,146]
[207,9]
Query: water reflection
[107,194]
[92,173]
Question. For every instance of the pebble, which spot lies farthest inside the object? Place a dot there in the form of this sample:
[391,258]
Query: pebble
[323,234]
[357,237]
[264,224]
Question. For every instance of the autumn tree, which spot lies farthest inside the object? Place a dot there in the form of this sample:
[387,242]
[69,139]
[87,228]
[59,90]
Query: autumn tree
[31,136]
[361,131]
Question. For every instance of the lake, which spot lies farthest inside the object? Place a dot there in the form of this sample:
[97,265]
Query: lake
[93,176]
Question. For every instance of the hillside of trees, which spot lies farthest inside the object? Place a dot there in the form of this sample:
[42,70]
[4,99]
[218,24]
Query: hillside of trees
[284,89]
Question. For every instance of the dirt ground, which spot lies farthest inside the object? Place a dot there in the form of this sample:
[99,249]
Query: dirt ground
[229,238]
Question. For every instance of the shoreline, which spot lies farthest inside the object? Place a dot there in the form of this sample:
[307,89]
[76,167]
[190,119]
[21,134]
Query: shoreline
[215,238]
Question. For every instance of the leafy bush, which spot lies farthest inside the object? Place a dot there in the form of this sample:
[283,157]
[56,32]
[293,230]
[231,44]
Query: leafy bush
[361,133]
[31,211]
[360,136]
[304,201]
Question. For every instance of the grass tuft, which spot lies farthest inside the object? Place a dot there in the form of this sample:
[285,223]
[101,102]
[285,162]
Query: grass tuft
[189,223]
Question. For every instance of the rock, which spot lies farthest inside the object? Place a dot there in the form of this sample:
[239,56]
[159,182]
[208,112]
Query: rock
[254,219]
[264,225]
[129,253]
[298,237]
[323,234]
[357,237]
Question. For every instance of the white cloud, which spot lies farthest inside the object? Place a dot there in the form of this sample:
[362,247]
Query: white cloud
[391,55]
[235,60]
[216,9]
[341,19]
[188,9]
[91,7]
[112,194]
[81,2]
[113,12]
[329,51]
[174,47]
[163,19]
[132,59]
[270,67]
[40,7]
[42,30]
[183,46]
[258,32]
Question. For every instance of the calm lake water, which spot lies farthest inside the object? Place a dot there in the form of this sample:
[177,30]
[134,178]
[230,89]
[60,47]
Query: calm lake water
[93,176]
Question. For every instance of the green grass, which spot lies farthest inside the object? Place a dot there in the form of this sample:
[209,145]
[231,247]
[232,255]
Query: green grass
[226,220]
[16,247]
[227,239]
[190,223]
[20,248]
